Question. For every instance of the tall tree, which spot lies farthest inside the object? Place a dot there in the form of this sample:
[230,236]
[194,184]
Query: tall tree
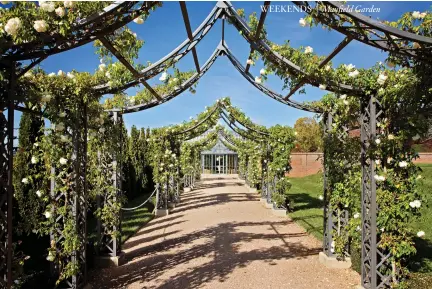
[309,135]
[26,188]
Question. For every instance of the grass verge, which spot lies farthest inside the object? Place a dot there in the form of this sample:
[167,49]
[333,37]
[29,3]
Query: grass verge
[132,221]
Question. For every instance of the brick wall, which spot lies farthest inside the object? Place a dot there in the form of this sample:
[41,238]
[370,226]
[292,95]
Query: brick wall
[305,164]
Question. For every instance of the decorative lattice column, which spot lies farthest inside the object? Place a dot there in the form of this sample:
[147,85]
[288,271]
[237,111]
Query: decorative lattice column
[335,220]
[110,161]
[74,199]
[263,178]
[375,263]
[6,169]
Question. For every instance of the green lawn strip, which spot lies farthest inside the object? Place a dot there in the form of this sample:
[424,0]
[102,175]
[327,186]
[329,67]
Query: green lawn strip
[308,213]
[132,221]
[308,210]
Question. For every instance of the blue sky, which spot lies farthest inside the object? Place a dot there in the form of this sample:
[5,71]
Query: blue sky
[164,30]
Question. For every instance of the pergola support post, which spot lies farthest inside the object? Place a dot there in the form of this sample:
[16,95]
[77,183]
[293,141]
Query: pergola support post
[109,247]
[334,220]
[328,215]
[76,202]
[374,261]
[6,166]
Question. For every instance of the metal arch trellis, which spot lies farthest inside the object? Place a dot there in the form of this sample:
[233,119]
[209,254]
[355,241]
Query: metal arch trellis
[370,31]
[87,30]
[173,57]
[373,260]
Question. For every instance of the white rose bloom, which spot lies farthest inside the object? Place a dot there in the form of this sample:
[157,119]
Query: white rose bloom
[382,78]
[308,49]
[263,71]
[249,61]
[416,137]
[38,193]
[60,11]
[302,22]
[350,67]
[163,77]
[61,73]
[258,79]
[12,26]
[378,141]
[346,102]
[64,138]
[321,197]
[108,74]
[416,15]
[34,160]
[390,137]
[327,68]
[171,165]
[47,214]
[60,127]
[343,96]
[417,203]
[63,161]
[139,20]
[379,178]
[102,66]
[40,25]
[403,164]
[102,130]
[353,73]
[423,15]
[377,162]
[28,74]
[322,86]
[68,4]
[420,234]
[70,75]
[51,74]
[356,215]
[47,6]
[24,181]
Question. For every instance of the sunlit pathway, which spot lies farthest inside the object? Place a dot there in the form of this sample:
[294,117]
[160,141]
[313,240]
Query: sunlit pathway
[220,236]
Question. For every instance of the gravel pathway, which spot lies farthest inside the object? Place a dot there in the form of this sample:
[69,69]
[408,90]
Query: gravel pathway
[221,236]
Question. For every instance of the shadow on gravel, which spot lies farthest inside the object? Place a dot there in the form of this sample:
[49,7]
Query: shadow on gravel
[221,244]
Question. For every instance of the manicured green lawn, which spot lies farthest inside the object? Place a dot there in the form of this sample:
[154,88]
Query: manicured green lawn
[308,210]
[132,221]
[308,213]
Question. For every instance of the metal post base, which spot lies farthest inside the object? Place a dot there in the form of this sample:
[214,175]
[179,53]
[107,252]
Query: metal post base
[279,212]
[268,205]
[108,261]
[161,212]
[333,263]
